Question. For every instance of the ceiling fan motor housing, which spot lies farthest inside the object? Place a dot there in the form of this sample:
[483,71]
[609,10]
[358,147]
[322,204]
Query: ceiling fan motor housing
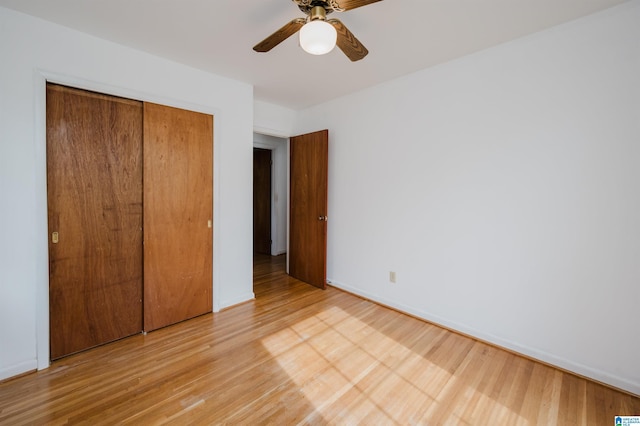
[308,7]
[317,13]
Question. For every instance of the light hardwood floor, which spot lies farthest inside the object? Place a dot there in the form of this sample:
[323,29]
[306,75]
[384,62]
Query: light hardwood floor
[299,355]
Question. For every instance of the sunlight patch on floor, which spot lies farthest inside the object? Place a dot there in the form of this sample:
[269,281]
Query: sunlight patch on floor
[351,372]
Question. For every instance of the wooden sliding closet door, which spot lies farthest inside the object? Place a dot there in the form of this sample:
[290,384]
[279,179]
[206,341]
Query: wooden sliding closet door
[178,203]
[94,190]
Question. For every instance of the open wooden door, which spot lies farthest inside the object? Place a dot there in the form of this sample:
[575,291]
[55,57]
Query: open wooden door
[178,216]
[94,195]
[308,208]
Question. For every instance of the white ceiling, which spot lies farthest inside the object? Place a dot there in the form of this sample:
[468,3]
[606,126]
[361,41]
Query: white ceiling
[402,36]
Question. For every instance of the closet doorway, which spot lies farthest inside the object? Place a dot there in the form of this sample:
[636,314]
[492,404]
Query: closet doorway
[120,172]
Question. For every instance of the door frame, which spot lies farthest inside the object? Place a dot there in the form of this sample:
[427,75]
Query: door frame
[41,260]
[287,137]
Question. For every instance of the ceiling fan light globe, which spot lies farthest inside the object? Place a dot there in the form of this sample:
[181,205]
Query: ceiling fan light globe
[318,37]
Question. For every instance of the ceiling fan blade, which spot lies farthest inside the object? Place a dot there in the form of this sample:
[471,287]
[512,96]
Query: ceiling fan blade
[351,4]
[279,36]
[347,42]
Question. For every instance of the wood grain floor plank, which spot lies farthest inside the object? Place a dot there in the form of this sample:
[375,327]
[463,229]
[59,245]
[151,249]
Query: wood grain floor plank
[300,355]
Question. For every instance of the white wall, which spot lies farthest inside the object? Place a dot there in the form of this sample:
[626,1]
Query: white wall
[273,120]
[32,50]
[279,167]
[503,188]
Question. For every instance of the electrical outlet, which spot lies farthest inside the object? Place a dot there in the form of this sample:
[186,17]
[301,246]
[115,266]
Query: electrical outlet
[392,276]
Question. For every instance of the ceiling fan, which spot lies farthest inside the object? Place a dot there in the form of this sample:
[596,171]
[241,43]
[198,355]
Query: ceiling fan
[318,35]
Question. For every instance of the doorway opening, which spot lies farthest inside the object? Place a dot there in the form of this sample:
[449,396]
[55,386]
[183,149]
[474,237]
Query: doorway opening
[300,224]
[270,202]
[275,183]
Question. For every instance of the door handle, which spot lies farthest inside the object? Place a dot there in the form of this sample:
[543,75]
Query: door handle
[54,238]
[322,218]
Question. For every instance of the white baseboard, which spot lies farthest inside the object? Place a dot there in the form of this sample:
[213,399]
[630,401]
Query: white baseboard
[245,298]
[17,369]
[542,356]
